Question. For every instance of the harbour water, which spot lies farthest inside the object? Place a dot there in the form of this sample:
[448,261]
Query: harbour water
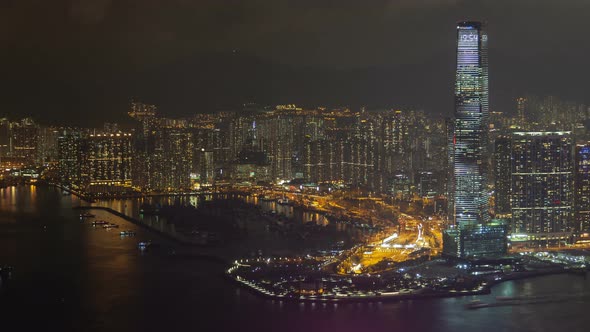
[70,276]
[132,206]
[259,238]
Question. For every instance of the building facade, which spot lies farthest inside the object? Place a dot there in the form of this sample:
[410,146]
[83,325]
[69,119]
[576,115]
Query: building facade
[502,174]
[69,156]
[542,185]
[107,163]
[582,185]
[24,141]
[469,141]
[477,240]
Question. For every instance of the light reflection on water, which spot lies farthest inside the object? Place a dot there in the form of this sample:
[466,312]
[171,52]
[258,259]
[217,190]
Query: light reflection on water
[81,278]
[132,206]
[259,238]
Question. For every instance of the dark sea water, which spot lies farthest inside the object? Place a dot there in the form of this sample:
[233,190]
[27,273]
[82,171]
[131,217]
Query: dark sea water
[69,276]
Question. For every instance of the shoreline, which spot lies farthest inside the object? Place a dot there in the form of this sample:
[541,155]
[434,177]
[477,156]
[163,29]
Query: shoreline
[71,192]
[420,294]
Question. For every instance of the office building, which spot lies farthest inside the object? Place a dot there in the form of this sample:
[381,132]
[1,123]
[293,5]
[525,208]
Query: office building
[469,141]
[477,240]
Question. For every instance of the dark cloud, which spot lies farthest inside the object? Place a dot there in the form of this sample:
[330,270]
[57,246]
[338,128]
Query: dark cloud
[89,11]
[80,60]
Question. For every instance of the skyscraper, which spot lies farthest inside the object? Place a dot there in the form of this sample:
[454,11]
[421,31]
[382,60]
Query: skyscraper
[582,185]
[107,163]
[69,154]
[25,140]
[502,175]
[471,233]
[4,137]
[470,135]
[542,185]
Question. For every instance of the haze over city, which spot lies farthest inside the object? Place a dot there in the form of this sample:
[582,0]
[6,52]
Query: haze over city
[74,60]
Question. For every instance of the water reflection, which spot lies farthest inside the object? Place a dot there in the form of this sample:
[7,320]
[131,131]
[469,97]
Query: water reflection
[131,207]
[75,277]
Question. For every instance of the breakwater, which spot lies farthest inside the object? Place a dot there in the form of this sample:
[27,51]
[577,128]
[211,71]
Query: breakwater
[184,251]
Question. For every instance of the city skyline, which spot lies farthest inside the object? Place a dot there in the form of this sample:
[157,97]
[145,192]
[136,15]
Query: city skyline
[298,196]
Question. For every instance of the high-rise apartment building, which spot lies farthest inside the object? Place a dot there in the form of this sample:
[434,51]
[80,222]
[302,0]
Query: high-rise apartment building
[4,138]
[502,176]
[143,144]
[582,185]
[542,185]
[69,155]
[24,141]
[47,145]
[173,162]
[107,163]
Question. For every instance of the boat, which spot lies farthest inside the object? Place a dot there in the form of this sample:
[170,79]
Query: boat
[476,304]
[284,201]
[143,245]
[107,225]
[99,223]
[127,233]
[87,215]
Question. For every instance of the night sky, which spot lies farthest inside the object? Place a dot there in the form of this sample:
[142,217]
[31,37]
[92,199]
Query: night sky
[81,61]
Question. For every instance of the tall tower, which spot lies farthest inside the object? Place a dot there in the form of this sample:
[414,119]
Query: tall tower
[502,174]
[470,128]
[542,185]
[582,187]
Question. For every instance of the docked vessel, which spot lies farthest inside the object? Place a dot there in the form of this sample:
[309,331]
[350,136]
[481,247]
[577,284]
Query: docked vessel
[99,223]
[476,304]
[127,233]
[284,201]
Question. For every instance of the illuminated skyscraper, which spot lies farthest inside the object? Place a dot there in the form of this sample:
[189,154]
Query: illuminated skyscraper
[469,146]
[4,137]
[471,233]
[143,144]
[174,154]
[24,141]
[502,175]
[521,103]
[107,163]
[582,185]
[542,185]
[69,154]
[47,145]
